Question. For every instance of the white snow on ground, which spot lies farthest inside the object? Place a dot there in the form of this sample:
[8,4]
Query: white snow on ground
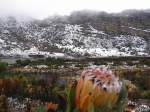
[58,55]
[75,39]
[96,31]
[2,41]
[73,32]
[126,43]
[131,43]
[95,52]
[138,29]
[32,51]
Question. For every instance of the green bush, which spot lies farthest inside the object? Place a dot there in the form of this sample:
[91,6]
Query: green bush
[3,66]
[39,109]
[145,94]
[54,61]
[23,62]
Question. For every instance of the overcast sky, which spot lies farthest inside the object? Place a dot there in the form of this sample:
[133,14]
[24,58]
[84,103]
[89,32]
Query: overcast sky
[43,8]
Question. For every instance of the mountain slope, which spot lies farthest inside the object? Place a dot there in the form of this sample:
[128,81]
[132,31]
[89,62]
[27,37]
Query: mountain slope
[85,33]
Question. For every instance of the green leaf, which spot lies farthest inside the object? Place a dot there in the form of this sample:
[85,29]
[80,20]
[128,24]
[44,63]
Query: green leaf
[70,94]
[91,107]
[122,101]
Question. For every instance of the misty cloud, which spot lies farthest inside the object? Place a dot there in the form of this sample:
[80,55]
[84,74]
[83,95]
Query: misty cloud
[44,8]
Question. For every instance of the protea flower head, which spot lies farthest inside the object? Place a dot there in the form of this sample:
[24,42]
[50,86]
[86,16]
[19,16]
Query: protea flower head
[97,87]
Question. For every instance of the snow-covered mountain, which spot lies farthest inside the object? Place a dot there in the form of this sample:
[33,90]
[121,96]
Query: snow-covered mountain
[84,33]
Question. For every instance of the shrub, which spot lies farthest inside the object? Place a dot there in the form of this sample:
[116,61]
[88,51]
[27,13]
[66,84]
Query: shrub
[54,61]
[39,109]
[3,66]
[23,62]
[145,94]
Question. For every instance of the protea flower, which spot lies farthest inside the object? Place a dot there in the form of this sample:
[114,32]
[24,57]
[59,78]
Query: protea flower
[97,88]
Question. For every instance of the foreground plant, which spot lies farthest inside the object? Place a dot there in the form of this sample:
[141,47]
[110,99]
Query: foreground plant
[97,90]
[51,106]
[39,109]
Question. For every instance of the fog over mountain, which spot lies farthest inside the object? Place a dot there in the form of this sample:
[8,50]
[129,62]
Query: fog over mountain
[41,9]
[82,33]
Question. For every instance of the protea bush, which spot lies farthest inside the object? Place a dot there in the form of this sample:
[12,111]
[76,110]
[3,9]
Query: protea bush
[97,90]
